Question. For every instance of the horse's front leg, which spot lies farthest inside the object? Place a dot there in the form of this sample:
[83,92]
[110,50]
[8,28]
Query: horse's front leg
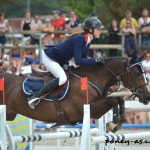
[115,125]
[122,108]
[115,111]
[100,107]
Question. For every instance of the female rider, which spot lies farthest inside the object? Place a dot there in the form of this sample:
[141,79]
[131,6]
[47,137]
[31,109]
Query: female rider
[76,46]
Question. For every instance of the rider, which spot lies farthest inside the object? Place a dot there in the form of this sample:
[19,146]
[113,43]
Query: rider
[76,46]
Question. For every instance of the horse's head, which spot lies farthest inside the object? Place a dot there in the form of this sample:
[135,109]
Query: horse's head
[134,79]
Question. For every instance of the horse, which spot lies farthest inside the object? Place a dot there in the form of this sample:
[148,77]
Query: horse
[100,78]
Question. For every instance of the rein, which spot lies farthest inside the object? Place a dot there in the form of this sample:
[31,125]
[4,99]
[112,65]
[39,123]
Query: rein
[133,89]
[90,83]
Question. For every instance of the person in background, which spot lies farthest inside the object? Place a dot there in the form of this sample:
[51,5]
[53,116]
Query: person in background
[146,65]
[48,28]
[128,26]
[1,60]
[128,16]
[63,14]
[113,31]
[59,24]
[144,25]
[26,26]
[16,57]
[36,25]
[4,28]
[29,55]
[73,23]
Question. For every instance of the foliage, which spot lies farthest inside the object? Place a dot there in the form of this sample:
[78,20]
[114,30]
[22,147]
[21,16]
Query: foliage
[81,7]
[106,10]
[4,2]
[42,7]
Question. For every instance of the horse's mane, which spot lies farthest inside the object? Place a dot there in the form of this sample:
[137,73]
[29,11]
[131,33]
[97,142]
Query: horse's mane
[115,59]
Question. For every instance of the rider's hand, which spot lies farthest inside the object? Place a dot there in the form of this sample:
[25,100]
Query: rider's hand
[100,60]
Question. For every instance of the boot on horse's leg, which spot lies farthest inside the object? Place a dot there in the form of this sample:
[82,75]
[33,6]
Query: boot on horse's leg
[35,99]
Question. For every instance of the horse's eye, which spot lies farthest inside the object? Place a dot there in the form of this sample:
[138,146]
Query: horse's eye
[137,74]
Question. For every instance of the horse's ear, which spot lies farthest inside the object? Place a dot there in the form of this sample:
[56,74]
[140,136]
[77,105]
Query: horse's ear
[136,60]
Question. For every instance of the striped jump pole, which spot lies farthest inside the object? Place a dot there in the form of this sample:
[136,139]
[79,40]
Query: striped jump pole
[52,136]
[120,137]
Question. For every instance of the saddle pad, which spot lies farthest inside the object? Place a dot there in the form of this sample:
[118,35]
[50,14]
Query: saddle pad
[32,86]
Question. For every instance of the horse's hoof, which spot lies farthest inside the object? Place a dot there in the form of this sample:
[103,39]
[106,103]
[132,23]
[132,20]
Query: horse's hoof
[110,126]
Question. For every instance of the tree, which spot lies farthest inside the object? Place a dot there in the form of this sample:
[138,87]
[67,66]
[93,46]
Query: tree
[5,2]
[107,10]
[81,7]
[42,7]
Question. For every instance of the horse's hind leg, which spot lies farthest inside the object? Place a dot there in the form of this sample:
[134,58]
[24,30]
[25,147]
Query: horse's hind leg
[10,116]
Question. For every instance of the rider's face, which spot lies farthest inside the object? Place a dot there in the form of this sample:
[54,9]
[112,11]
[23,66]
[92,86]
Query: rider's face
[97,32]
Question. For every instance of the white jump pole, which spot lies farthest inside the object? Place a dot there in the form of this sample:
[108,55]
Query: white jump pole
[100,125]
[86,136]
[3,137]
[1,146]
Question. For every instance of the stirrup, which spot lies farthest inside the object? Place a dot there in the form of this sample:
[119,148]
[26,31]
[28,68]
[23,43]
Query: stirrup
[33,102]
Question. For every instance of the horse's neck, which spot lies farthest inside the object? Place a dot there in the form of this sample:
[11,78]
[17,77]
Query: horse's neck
[101,75]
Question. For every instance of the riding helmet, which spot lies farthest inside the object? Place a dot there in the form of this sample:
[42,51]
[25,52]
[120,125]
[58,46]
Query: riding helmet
[91,23]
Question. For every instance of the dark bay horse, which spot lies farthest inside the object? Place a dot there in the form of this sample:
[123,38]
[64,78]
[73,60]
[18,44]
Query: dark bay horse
[103,76]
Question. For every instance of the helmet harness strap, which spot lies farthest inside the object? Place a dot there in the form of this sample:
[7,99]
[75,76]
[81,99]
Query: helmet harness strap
[91,32]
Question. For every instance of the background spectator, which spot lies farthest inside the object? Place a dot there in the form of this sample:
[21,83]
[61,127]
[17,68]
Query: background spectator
[4,28]
[144,25]
[146,65]
[73,23]
[26,26]
[48,27]
[1,60]
[63,14]
[36,25]
[128,26]
[58,23]
[113,36]
[16,57]
[30,56]
[128,16]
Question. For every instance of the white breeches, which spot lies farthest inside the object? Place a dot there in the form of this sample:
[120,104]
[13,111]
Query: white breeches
[54,68]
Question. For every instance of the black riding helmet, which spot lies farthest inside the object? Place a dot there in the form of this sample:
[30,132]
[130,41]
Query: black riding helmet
[91,23]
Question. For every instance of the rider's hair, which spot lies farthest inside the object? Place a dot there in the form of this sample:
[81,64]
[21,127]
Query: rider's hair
[66,37]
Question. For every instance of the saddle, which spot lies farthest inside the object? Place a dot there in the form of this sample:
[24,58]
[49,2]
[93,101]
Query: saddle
[35,81]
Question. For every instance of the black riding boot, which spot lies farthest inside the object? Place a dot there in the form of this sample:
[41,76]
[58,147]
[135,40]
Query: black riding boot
[35,99]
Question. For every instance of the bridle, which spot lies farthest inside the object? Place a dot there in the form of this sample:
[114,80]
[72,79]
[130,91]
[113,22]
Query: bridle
[130,85]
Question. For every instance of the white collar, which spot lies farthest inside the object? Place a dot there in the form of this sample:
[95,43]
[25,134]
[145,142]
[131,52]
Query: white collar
[88,41]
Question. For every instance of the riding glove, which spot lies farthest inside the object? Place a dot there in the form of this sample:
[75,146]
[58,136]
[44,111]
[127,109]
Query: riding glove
[100,60]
